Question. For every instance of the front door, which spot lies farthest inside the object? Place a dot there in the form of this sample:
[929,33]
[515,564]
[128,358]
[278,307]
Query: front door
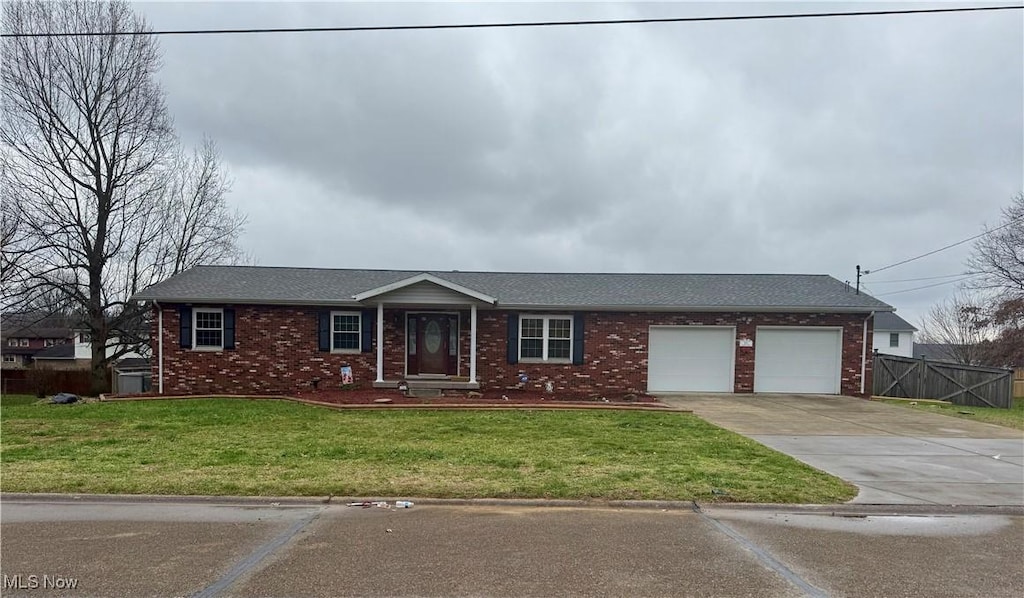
[433,344]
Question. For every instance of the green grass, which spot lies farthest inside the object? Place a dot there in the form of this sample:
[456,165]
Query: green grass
[15,400]
[243,447]
[1011,418]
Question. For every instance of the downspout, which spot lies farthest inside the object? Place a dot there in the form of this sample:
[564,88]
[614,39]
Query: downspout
[159,348]
[864,353]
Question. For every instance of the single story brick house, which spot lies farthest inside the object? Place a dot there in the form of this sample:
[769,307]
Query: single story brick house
[244,329]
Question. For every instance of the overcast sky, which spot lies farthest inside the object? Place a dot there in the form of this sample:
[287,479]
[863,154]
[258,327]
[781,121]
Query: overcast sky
[803,146]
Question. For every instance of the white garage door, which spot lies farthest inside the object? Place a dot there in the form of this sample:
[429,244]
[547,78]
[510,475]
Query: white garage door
[798,360]
[690,359]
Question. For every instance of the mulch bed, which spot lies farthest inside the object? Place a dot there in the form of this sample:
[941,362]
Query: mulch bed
[489,397]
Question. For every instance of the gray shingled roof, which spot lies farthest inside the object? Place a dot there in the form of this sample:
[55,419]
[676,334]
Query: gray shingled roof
[935,352]
[36,325]
[252,284]
[65,351]
[890,321]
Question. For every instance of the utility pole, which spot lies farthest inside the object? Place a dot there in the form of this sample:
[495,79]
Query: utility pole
[858,279]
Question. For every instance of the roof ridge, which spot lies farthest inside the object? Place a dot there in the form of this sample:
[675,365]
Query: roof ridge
[532,272]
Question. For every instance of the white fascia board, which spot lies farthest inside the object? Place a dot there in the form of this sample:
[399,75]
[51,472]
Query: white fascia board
[425,277]
[694,308]
[201,302]
[526,306]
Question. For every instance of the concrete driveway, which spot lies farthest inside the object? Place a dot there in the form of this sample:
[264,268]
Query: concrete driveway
[893,454]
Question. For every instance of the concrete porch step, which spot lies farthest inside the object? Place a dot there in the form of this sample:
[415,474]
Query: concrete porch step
[430,384]
[424,393]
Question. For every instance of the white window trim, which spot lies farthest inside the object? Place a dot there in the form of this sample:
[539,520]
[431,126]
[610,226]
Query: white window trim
[23,342]
[195,318]
[359,334]
[545,338]
[9,358]
[894,336]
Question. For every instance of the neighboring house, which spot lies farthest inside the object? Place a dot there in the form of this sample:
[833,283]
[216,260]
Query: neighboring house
[238,329]
[937,352]
[58,357]
[83,348]
[23,335]
[893,335]
[49,341]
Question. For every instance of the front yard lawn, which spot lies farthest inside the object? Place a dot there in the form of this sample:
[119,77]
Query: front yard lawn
[1011,418]
[246,447]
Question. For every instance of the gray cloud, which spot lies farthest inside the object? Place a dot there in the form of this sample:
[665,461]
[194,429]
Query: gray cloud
[797,146]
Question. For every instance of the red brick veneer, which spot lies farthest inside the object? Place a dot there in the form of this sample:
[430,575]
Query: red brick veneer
[276,351]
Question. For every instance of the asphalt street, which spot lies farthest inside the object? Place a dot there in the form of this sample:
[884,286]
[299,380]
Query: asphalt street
[258,548]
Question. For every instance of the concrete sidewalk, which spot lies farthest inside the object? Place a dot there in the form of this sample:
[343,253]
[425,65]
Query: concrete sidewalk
[894,455]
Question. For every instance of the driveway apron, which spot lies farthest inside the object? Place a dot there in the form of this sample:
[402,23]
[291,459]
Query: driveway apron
[894,455]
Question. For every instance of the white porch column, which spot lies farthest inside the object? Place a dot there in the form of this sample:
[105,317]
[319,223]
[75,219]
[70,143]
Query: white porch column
[472,343]
[380,342]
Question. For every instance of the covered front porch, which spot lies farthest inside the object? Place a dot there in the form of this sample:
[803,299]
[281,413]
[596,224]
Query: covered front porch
[429,328]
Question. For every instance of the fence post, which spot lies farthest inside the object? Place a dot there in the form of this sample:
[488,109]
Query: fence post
[921,375]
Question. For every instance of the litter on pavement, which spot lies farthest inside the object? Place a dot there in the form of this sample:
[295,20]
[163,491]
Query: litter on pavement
[382,504]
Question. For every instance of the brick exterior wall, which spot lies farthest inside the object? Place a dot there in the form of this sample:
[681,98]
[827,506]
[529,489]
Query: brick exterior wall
[276,351]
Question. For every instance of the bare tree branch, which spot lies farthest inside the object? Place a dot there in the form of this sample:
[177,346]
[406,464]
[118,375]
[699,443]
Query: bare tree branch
[100,200]
[961,322]
[999,256]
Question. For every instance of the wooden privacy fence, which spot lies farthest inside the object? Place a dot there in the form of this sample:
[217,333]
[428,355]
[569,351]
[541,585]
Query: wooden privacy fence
[1018,383]
[42,382]
[969,385]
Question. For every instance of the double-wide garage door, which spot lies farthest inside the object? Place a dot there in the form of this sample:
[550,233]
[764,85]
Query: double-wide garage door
[702,359]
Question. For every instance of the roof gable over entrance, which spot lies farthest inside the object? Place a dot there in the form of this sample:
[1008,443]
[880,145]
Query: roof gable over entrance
[423,289]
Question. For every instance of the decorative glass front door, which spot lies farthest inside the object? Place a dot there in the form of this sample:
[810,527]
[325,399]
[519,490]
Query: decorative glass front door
[432,344]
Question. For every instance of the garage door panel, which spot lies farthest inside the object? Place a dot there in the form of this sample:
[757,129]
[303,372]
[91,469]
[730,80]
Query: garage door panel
[798,360]
[690,359]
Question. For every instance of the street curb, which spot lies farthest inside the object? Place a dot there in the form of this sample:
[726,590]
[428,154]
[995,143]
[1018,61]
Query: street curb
[844,509]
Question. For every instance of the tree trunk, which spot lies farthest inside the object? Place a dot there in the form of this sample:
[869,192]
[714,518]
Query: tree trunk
[98,380]
[98,336]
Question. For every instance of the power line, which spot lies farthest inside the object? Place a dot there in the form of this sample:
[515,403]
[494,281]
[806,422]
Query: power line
[950,246]
[811,15]
[928,286]
[920,279]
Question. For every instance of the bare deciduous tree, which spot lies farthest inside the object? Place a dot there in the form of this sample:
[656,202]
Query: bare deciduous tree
[103,201]
[998,257]
[961,322]
[1007,348]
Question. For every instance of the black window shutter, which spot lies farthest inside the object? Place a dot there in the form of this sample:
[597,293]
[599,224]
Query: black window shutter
[513,338]
[229,328]
[323,330]
[369,318]
[577,338]
[185,330]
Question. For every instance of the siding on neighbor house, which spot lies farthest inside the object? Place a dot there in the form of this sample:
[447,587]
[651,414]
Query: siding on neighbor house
[276,351]
[906,348]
